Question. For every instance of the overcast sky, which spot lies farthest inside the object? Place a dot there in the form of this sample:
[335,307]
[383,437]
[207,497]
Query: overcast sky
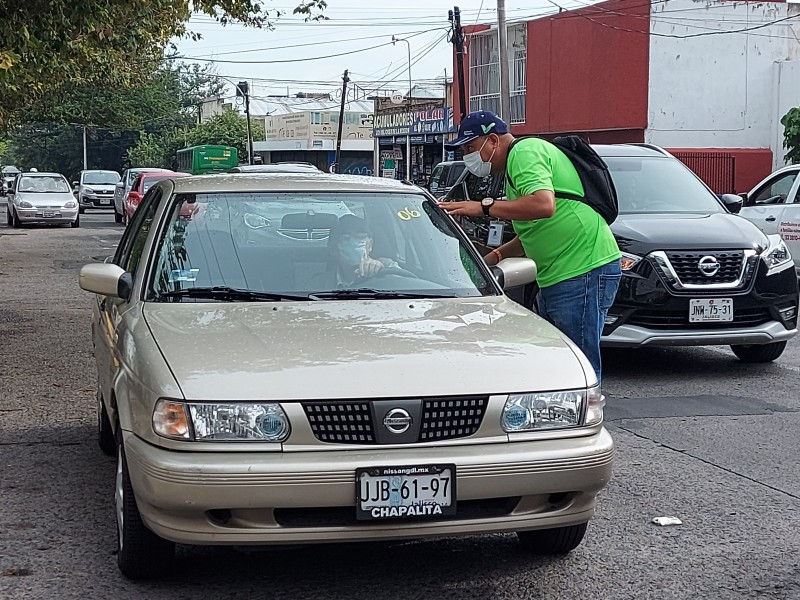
[349,28]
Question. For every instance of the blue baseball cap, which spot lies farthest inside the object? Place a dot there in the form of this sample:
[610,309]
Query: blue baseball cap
[477,124]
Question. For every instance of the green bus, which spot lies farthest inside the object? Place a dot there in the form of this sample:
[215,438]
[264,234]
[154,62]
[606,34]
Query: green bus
[199,160]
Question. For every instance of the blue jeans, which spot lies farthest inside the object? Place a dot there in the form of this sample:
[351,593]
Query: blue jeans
[578,307]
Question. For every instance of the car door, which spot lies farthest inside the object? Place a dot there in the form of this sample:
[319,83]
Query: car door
[118,190]
[767,202]
[111,310]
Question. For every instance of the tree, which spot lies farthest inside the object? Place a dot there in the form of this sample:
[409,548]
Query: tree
[791,135]
[48,44]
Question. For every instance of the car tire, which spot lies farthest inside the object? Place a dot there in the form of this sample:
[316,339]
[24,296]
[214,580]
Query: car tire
[560,540]
[105,434]
[759,354]
[141,554]
[76,222]
[117,216]
[9,218]
[15,222]
[81,210]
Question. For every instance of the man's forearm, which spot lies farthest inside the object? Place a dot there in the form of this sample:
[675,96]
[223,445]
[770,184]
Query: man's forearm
[539,205]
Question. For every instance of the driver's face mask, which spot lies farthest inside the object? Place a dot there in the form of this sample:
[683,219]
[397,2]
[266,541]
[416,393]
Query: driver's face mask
[353,249]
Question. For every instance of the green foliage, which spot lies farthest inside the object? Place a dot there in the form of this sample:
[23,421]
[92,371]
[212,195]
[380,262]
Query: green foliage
[791,135]
[50,44]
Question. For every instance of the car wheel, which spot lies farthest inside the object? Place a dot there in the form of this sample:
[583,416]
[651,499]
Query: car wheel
[81,210]
[759,354]
[76,222]
[141,554]
[9,218]
[553,541]
[117,216]
[105,435]
[15,222]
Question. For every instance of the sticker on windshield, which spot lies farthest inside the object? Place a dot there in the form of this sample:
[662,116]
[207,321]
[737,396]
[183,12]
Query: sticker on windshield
[406,214]
[183,275]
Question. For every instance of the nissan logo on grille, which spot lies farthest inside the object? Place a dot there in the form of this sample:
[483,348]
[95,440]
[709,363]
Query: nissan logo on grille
[708,266]
[397,420]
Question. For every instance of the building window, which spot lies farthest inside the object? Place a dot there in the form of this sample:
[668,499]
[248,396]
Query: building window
[484,72]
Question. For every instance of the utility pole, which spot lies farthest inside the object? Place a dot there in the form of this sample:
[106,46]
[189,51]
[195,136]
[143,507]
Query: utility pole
[410,109]
[445,126]
[457,37]
[243,89]
[345,81]
[85,153]
[502,39]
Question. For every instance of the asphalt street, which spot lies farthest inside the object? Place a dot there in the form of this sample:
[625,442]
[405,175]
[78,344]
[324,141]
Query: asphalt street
[700,436]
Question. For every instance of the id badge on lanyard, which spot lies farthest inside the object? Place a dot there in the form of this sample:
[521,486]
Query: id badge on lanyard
[495,238]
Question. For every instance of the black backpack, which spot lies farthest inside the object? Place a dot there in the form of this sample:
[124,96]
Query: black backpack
[601,195]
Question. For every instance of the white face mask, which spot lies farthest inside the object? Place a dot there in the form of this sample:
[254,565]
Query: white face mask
[476,165]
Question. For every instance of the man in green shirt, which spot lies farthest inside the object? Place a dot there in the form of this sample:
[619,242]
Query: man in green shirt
[575,252]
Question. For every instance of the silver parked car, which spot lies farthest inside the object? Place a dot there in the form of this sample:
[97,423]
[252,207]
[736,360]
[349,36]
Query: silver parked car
[123,188]
[41,198]
[357,374]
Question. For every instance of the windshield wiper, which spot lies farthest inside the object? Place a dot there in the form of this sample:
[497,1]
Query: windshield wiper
[370,294]
[221,292]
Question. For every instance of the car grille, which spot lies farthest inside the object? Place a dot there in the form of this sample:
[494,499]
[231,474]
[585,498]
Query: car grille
[345,516]
[352,422]
[652,319]
[685,265]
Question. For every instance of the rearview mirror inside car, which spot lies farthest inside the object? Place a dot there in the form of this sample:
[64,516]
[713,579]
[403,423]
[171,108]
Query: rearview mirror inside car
[514,272]
[732,202]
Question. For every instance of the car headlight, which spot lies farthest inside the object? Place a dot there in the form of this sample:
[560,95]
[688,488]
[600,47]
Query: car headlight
[88,190]
[211,422]
[25,204]
[777,255]
[71,204]
[553,410]
[629,261]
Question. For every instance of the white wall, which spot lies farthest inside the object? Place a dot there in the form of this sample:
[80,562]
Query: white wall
[786,91]
[719,90]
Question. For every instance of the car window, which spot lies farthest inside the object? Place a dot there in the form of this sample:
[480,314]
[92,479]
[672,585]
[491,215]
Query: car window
[129,251]
[454,172]
[659,185]
[43,184]
[436,178]
[148,182]
[776,191]
[302,243]
[94,178]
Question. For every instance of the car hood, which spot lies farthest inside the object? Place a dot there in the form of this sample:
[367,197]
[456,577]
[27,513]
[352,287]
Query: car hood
[45,198]
[361,349]
[640,234]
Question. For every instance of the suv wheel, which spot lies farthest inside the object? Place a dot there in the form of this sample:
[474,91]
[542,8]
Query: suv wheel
[141,554]
[105,435]
[759,354]
[553,541]
[117,216]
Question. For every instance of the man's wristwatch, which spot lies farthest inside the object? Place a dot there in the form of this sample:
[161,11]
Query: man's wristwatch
[487,204]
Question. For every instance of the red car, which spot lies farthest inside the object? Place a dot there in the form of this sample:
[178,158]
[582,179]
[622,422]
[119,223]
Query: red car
[143,183]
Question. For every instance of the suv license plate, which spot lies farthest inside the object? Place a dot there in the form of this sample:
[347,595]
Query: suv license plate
[105,200]
[405,492]
[710,310]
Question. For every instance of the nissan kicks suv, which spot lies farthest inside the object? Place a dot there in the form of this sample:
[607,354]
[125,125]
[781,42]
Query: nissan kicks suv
[694,273]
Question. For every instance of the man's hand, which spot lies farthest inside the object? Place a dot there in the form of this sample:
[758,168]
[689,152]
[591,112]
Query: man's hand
[369,268]
[463,209]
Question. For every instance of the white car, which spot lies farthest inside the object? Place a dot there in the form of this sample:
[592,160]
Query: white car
[774,207]
[41,198]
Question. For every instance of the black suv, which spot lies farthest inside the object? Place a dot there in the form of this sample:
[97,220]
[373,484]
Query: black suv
[694,273]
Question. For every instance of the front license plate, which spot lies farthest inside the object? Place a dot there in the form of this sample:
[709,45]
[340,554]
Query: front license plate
[105,200]
[710,310]
[405,492]
[48,215]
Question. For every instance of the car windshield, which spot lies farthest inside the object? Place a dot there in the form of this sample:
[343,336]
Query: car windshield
[100,178]
[43,184]
[658,185]
[326,245]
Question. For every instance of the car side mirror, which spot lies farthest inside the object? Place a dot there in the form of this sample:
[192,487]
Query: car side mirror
[106,280]
[120,184]
[732,202]
[75,184]
[514,272]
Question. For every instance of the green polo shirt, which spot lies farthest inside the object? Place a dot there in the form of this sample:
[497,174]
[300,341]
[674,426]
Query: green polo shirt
[576,239]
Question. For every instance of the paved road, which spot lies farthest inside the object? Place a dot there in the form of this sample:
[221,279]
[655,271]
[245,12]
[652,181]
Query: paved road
[700,436]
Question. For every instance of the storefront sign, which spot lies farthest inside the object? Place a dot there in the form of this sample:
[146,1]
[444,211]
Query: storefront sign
[399,122]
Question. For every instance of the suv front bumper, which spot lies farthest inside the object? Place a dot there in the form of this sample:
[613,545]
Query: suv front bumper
[299,497]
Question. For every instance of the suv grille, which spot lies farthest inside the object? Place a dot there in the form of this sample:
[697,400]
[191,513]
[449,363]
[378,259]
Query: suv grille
[653,319]
[352,422]
[451,418]
[686,267]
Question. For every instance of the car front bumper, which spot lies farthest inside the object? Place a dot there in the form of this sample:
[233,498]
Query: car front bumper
[96,201]
[37,215]
[299,497]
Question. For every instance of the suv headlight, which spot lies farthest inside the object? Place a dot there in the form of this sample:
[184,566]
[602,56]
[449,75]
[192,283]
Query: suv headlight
[211,422]
[777,255]
[629,261]
[553,410]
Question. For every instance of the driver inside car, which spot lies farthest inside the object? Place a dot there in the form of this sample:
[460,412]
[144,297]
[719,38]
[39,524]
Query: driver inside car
[351,245]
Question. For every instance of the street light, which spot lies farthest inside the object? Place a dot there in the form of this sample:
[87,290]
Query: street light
[395,39]
[243,89]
